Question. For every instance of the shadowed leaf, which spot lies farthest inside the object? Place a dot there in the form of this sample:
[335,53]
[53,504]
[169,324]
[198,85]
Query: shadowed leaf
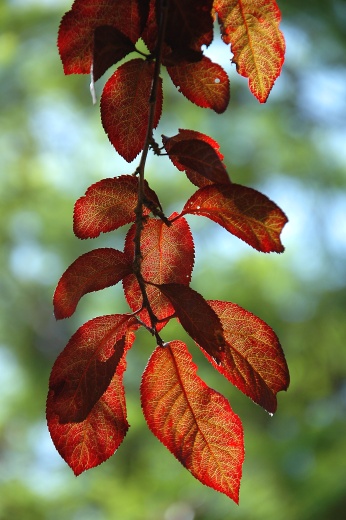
[110,46]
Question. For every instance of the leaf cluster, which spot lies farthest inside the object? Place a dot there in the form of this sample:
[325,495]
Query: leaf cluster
[86,406]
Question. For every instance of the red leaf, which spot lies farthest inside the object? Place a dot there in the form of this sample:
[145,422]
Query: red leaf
[86,411]
[90,272]
[244,212]
[76,32]
[193,421]
[257,44]
[167,257]
[198,155]
[204,83]
[194,21]
[110,46]
[253,359]
[125,106]
[108,205]
[197,317]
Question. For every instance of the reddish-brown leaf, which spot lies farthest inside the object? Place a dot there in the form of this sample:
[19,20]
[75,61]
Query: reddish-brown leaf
[197,317]
[189,24]
[253,359]
[125,106]
[86,410]
[92,271]
[193,176]
[244,212]
[203,82]
[257,44]
[108,205]
[110,46]
[76,32]
[193,421]
[198,155]
[167,257]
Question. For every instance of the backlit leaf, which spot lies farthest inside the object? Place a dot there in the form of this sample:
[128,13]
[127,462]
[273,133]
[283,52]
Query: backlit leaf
[204,83]
[244,212]
[125,106]
[198,155]
[86,410]
[110,46]
[197,317]
[92,271]
[167,257]
[253,359]
[193,421]
[76,32]
[108,205]
[257,44]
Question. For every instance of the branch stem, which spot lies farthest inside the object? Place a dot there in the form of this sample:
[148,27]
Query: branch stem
[141,168]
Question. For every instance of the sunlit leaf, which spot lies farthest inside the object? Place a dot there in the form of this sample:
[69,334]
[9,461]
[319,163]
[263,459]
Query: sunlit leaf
[253,359]
[125,106]
[193,421]
[86,411]
[76,32]
[197,317]
[244,212]
[92,271]
[204,83]
[257,44]
[108,205]
[167,257]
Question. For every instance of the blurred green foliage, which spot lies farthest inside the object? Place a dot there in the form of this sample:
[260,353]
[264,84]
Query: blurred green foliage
[52,147]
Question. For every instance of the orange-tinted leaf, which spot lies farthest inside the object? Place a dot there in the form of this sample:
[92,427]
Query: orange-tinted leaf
[198,155]
[197,317]
[110,46]
[83,434]
[167,257]
[125,106]
[76,32]
[193,421]
[244,212]
[253,359]
[92,271]
[204,83]
[108,205]
[257,44]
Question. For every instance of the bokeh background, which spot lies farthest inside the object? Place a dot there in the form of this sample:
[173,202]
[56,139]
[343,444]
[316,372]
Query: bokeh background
[52,147]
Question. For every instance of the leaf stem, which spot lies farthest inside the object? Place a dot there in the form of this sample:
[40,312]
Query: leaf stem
[141,168]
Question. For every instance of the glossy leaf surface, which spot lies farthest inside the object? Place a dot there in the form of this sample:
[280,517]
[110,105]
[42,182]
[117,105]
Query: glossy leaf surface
[167,257]
[244,212]
[76,32]
[253,359]
[193,421]
[204,83]
[257,44]
[108,205]
[92,271]
[197,317]
[86,411]
[125,106]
